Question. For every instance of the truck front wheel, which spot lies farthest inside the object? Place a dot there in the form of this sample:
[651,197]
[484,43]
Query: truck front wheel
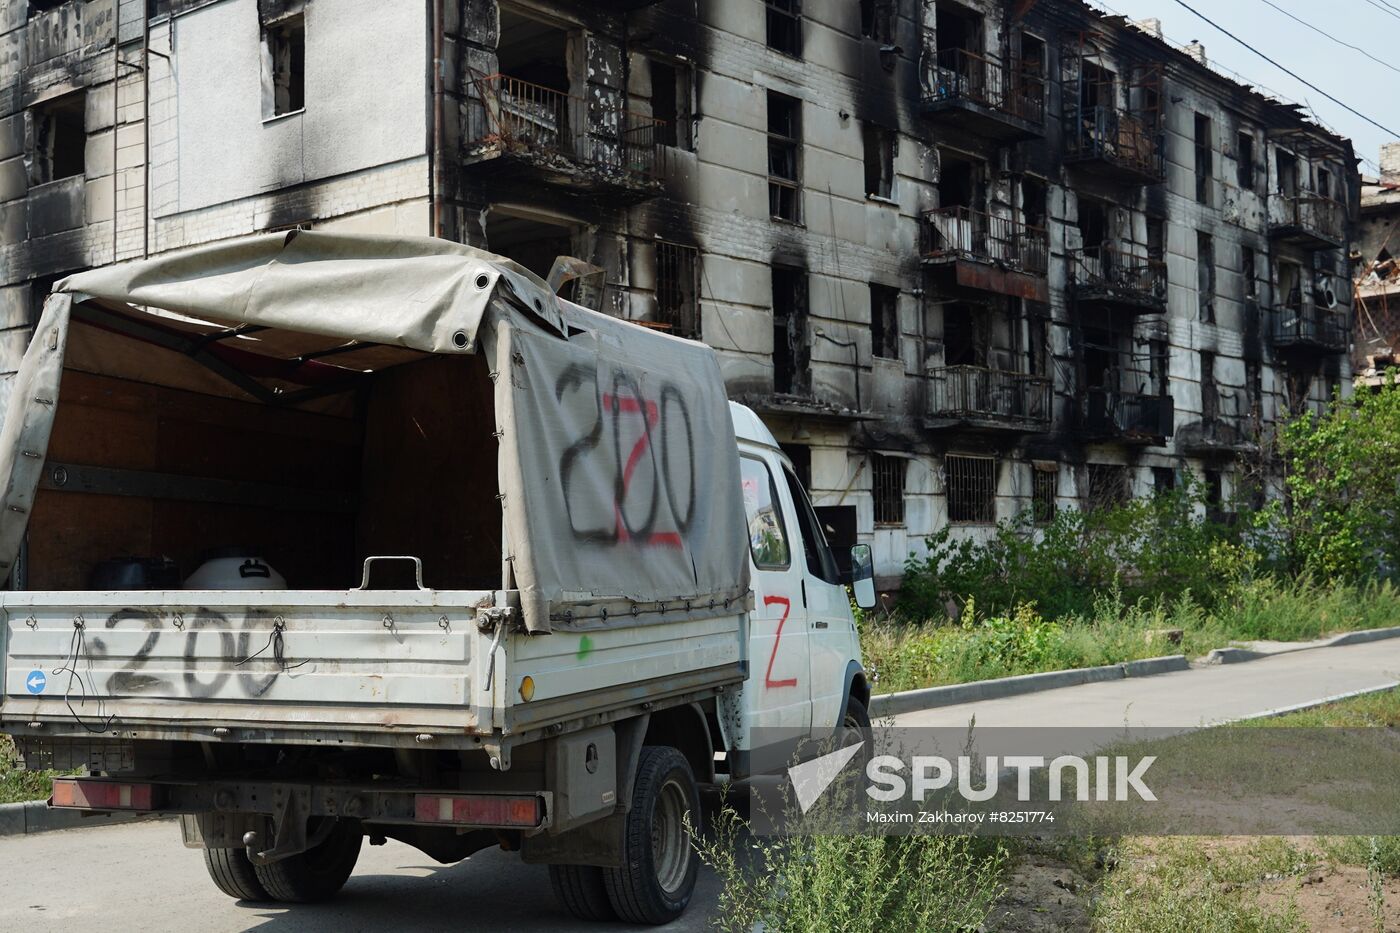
[659,865]
[319,872]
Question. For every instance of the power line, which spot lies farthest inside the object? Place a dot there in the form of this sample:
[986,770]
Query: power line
[1386,7]
[1184,5]
[1323,32]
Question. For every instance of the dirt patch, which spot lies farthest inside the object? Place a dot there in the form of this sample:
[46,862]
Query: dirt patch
[1043,895]
[1337,900]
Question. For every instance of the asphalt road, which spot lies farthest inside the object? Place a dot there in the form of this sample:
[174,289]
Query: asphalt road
[140,878]
[1186,699]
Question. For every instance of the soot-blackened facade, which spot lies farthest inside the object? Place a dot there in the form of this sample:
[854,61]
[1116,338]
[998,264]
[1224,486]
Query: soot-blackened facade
[967,259]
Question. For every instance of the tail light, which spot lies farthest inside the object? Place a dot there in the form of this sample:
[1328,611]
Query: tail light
[477,810]
[84,794]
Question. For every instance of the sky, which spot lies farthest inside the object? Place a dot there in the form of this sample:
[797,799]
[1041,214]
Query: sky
[1346,74]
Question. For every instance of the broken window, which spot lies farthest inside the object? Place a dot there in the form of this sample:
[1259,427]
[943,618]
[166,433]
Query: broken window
[965,336]
[879,159]
[677,304]
[670,103]
[785,26]
[1108,486]
[1249,262]
[1098,87]
[877,20]
[887,488]
[1244,162]
[43,6]
[1044,483]
[1287,172]
[1324,182]
[1210,392]
[59,138]
[884,321]
[1093,226]
[1030,73]
[1163,480]
[791,352]
[971,486]
[784,140]
[1158,365]
[284,66]
[1205,275]
[1205,161]
[1290,284]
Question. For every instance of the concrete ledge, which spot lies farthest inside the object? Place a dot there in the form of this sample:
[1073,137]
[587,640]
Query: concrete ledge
[892,704]
[18,819]
[1359,638]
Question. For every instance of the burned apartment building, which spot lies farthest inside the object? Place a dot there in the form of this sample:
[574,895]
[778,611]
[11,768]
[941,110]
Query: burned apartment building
[1376,347]
[966,259]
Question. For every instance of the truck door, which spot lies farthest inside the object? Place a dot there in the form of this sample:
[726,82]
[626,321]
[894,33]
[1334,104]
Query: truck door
[779,690]
[832,639]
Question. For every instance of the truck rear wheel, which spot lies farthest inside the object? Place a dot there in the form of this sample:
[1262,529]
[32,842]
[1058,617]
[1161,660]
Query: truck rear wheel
[659,865]
[582,891]
[233,874]
[319,872]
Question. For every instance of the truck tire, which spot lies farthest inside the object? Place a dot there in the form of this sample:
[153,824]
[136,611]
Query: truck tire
[857,716]
[582,891]
[233,874]
[659,864]
[318,873]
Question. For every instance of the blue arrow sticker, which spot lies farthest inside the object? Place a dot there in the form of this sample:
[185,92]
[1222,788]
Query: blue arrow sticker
[35,681]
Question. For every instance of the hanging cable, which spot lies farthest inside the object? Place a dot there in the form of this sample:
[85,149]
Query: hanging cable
[1190,9]
[1323,32]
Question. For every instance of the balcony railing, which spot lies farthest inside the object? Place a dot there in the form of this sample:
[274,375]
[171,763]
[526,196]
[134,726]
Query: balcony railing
[1298,324]
[961,232]
[1127,415]
[968,78]
[1108,274]
[561,131]
[1308,218]
[1117,138]
[975,394]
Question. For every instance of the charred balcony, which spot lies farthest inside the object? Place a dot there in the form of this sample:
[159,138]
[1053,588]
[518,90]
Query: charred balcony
[980,399]
[1106,276]
[1299,327]
[1128,417]
[973,251]
[539,135]
[1309,220]
[985,97]
[1121,145]
[1223,430]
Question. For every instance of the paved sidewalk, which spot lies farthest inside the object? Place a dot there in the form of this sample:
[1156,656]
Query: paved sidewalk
[1185,699]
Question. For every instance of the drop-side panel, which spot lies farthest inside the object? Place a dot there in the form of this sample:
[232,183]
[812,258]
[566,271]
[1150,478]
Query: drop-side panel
[261,658]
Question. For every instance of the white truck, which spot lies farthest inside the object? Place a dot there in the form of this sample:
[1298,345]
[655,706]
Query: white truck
[542,579]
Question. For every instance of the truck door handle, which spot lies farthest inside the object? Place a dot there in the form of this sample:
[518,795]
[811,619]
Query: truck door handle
[819,624]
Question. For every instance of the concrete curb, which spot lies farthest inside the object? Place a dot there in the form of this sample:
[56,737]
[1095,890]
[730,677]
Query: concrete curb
[908,701]
[18,819]
[892,704]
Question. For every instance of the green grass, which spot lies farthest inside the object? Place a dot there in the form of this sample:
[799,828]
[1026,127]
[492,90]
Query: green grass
[16,784]
[907,656]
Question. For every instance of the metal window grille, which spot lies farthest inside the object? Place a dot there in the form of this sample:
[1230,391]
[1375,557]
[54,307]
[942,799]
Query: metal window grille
[785,26]
[971,487]
[676,305]
[1108,486]
[1043,488]
[887,478]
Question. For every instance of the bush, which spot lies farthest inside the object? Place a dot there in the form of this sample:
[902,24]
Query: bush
[1147,549]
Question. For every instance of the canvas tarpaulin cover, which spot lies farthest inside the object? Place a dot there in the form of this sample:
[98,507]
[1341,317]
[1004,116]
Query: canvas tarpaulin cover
[617,462]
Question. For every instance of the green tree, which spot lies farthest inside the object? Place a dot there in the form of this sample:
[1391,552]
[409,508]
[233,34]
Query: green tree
[1342,518]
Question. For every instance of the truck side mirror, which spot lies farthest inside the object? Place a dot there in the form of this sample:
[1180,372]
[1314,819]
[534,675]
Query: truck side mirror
[863,576]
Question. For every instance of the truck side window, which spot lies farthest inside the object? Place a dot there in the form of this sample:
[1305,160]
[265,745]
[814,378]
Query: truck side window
[820,561]
[767,536]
